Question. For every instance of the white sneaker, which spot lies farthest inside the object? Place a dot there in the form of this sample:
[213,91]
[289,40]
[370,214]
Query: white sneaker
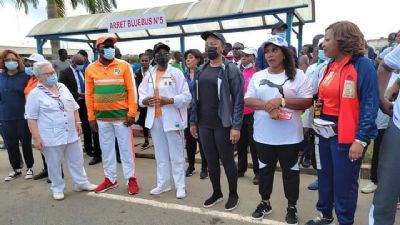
[180,193]
[13,174]
[369,188]
[88,187]
[58,196]
[159,190]
[29,174]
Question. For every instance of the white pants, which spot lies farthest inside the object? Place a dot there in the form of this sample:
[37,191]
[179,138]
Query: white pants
[108,131]
[73,155]
[168,147]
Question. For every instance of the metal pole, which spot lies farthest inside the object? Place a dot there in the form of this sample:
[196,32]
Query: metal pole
[289,20]
[182,40]
[39,46]
[300,38]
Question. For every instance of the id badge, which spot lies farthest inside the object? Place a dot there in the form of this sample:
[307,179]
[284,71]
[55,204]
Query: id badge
[285,115]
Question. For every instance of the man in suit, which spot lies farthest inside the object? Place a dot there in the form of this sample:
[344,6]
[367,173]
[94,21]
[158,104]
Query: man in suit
[74,79]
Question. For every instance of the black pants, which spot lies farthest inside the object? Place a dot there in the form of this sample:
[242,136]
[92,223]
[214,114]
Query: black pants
[90,139]
[287,156]
[16,131]
[246,140]
[141,121]
[217,146]
[375,156]
[191,147]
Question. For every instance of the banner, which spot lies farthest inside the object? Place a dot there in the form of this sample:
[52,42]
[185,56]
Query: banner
[137,22]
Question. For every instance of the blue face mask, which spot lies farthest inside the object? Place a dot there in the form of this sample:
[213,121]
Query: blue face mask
[52,79]
[11,65]
[109,53]
[321,55]
[282,35]
[29,71]
[79,67]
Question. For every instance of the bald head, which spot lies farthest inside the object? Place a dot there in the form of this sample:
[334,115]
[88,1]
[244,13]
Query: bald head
[78,59]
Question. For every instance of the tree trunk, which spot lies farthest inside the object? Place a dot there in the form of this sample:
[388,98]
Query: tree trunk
[52,13]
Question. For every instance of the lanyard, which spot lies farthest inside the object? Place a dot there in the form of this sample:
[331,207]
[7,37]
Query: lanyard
[52,95]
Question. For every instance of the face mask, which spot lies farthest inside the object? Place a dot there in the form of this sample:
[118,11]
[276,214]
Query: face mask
[212,52]
[321,55]
[11,65]
[52,79]
[282,35]
[249,66]
[29,71]
[162,60]
[79,67]
[109,53]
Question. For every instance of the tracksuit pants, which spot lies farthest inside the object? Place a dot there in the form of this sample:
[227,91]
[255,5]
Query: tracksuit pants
[169,151]
[191,147]
[14,132]
[375,155]
[246,140]
[90,139]
[108,131]
[383,209]
[337,179]
[72,155]
[287,156]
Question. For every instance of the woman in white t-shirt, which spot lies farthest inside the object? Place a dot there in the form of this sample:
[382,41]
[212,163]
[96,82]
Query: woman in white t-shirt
[278,94]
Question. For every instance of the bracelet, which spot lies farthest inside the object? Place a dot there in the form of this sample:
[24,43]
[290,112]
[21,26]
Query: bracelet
[78,122]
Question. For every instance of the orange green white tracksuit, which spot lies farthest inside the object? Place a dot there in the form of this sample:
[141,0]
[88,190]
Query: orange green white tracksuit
[110,99]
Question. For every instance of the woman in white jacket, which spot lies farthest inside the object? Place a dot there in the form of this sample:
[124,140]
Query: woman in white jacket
[166,94]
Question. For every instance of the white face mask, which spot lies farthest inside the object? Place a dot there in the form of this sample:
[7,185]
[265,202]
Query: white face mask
[248,66]
[282,35]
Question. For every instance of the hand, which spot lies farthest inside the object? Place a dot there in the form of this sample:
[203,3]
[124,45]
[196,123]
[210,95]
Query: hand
[38,143]
[129,121]
[274,114]
[273,104]
[193,132]
[165,101]
[386,107]
[356,151]
[93,126]
[78,127]
[235,136]
[149,101]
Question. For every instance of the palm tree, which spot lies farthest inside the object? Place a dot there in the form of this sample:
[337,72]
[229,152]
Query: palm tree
[56,9]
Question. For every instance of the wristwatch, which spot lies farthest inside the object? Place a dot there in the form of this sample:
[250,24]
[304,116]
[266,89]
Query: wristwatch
[364,144]
[283,102]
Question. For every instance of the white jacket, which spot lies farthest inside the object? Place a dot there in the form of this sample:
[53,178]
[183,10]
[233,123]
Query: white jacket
[172,84]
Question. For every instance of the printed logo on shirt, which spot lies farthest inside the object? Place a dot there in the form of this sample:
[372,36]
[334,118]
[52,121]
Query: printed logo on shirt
[348,90]
[117,71]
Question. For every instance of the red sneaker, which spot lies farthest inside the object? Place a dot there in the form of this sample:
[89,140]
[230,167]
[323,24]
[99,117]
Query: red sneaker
[133,187]
[105,186]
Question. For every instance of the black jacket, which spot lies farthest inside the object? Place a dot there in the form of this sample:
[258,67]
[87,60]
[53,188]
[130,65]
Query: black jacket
[231,96]
[67,77]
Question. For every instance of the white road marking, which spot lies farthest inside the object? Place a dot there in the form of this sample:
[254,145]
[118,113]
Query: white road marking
[185,208]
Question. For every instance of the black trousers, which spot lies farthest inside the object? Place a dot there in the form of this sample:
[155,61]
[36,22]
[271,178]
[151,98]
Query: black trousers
[375,156]
[217,146]
[90,139]
[141,121]
[246,140]
[191,147]
[14,132]
[287,155]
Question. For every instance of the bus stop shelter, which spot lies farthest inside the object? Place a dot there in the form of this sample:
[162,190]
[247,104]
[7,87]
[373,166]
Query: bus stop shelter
[185,19]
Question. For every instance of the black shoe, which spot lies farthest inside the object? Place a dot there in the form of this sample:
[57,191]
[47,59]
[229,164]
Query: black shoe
[145,145]
[291,215]
[256,179]
[263,209]
[232,202]
[94,161]
[189,172]
[319,220]
[213,200]
[203,174]
[241,174]
[41,175]
[306,162]
[48,181]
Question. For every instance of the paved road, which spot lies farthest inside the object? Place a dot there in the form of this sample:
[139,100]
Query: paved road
[30,203]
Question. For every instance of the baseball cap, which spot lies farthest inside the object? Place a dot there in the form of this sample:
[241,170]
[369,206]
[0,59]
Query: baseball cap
[102,39]
[320,42]
[217,35]
[36,57]
[159,46]
[279,25]
[250,51]
[276,40]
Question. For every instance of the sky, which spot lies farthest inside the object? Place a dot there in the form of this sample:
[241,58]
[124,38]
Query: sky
[375,18]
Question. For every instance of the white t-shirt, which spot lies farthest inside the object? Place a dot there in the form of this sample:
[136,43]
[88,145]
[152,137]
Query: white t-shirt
[392,60]
[278,132]
[382,120]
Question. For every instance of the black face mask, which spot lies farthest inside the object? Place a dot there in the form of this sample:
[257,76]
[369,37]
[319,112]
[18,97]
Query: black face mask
[212,52]
[162,60]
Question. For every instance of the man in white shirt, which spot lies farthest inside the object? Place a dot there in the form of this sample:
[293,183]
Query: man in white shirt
[383,209]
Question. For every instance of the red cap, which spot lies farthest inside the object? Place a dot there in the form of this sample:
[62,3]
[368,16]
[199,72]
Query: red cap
[102,39]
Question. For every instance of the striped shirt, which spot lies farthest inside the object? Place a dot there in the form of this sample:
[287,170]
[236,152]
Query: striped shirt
[110,91]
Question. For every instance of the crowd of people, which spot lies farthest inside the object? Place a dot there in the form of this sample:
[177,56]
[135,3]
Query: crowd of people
[323,105]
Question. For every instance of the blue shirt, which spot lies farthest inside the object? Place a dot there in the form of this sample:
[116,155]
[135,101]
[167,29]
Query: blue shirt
[190,82]
[12,98]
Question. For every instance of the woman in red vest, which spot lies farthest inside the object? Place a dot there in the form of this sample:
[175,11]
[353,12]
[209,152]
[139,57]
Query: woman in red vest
[348,105]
